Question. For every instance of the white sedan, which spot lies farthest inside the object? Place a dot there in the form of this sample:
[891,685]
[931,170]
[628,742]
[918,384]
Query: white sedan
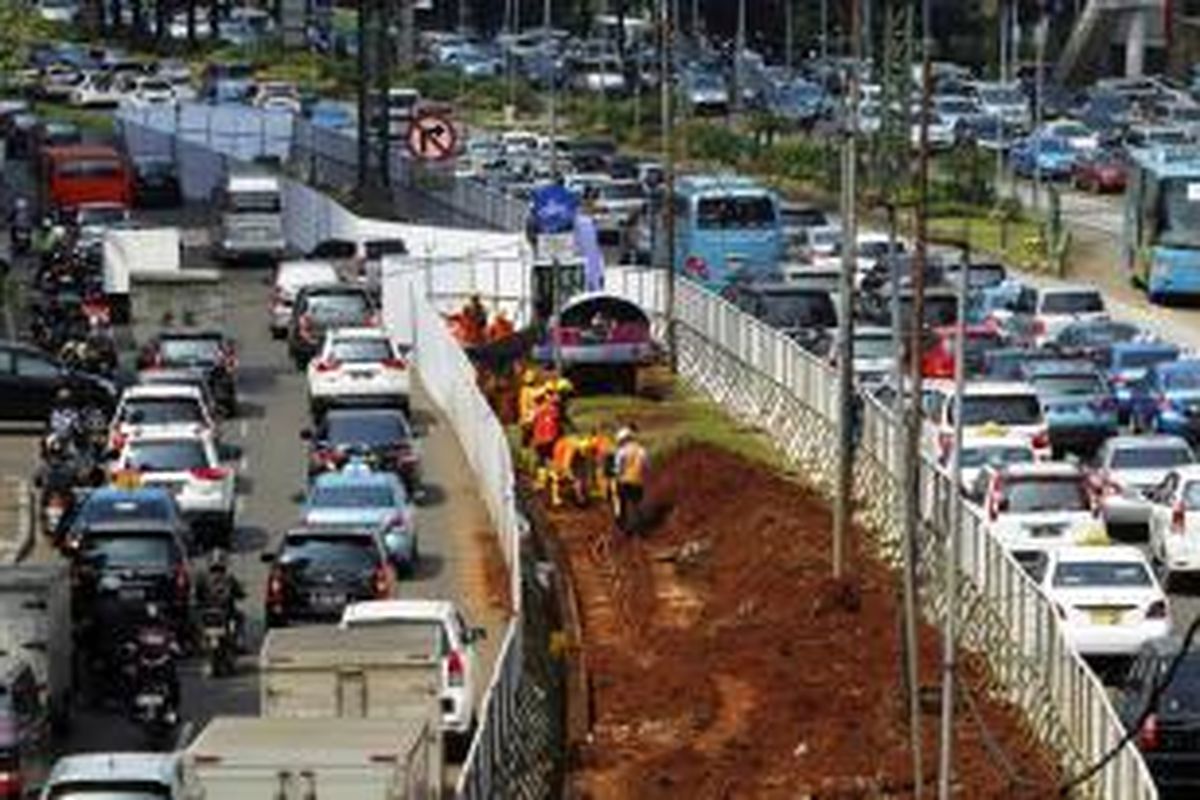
[1107,597]
[357,366]
[1175,522]
[187,463]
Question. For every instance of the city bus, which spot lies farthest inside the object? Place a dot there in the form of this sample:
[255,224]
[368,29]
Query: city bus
[727,229]
[1161,231]
[72,176]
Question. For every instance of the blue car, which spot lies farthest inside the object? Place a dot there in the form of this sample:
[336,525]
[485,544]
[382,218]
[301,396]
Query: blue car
[1127,365]
[358,497]
[1054,156]
[1078,403]
[328,114]
[1167,400]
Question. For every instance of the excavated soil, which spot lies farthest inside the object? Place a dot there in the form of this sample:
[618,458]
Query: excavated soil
[724,663]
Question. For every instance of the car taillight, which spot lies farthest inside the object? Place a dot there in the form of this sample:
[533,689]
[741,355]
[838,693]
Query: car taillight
[306,327]
[275,588]
[374,320]
[11,785]
[455,668]
[1148,735]
[1157,610]
[696,267]
[1041,440]
[1039,327]
[1178,519]
[328,365]
[209,473]
[183,589]
[117,440]
[394,363]
[382,583]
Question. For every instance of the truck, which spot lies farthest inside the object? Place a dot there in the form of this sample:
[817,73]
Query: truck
[35,624]
[252,758]
[249,225]
[129,254]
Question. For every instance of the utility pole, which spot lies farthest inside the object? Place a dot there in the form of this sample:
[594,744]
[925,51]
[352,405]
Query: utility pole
[668,149]
[1039,41]
[913,450]
[824,30]
[548,44]
[381,44]
[739,44]
[843,494]
[364,95]
[789,33]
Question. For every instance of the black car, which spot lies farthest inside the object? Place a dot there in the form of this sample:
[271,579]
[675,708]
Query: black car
[804,315]
[319,308]
[207,353]
[156,183]
[382,437]
[1169,738]
[30,379]
[119,567]
[316,572]
[109,506]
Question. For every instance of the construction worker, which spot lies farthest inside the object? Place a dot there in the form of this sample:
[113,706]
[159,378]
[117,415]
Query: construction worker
[500,328]
[571,467]
[546,430]
[629,465]
[603,448]
[475,319]
[527,399]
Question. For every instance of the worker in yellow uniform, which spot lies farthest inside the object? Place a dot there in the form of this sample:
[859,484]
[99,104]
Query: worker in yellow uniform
[571,467]
[629,467]
[527,399]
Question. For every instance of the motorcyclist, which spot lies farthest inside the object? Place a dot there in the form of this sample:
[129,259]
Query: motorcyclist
[218,588]
[157,652]
[64,414]
[20,224]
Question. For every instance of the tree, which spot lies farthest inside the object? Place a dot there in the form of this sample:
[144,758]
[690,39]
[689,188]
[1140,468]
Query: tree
[20,28]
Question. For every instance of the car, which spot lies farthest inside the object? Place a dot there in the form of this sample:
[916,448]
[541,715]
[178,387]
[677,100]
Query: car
[1078,404]
[1050,156]
[30,380]
[290,277]
[1008,307]
[91,220]
[96,90]
[156,183]
[462,671]
[806,316]
[317,308]
[361,497]
[937,360]
[1168,737]
[147,408]
[1078,136]
[1031,508]
[119,774]
[315,572]
[1127,365]
[980,274]
[989,407]
[358,366]
[816,242]
[110,505]
[985,449]
[1059,306]
[188,464]
[382,438]
[1128,469]
[1102,171]
[1167,400]
[26,741]
[939,130]
[205,351]
[1093,338]
[1107,598]
[874,354]
[148,91]
[705,93]
[1174,522]
[120,566]
[987,132]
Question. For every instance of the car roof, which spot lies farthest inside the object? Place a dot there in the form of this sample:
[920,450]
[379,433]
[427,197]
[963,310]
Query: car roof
[349,476]
[1040,369]
[191,333]
[162,390]
[185,431]
[1073,289]
[391,609]
[351,529]
[367,413]
[1004,440]
[1144,440]
[113,493]
[1144,345]
[128,766]
[1042,469]
[996,388]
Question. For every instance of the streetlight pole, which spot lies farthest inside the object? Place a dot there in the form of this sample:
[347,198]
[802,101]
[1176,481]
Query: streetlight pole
[668,195]
[547,19]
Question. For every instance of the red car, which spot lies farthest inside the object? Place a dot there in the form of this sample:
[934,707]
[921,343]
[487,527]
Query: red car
[1102,172]
[938,359]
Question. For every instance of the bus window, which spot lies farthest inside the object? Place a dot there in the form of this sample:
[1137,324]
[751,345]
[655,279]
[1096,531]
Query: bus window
[1179,213]
[720,213]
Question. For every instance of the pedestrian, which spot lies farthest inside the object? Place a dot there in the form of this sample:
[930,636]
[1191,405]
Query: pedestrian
[500,327]
[476,317]
[630,464]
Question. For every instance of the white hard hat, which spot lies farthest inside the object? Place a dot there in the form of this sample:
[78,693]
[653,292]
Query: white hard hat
[624,435]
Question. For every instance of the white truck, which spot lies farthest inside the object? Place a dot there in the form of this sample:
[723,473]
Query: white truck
[35,624]
[254,758]
[249,225]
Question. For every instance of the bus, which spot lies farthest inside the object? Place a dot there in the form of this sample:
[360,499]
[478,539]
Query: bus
[72,176]
[728,229]
[1161,231]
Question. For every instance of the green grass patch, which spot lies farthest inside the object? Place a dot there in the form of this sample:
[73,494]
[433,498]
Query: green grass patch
[986,235]
[87,119]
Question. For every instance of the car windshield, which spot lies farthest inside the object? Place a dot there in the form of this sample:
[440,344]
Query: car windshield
[128,550]
[715,213]
[997,97]
[365,429]
[621,191]
[360,350]
[1071,131]
[1071,302]
[1068,384]
[340,551]
[198,350]
[339,305]
[1150,457]
[1102,333]
[1016,409]
[1178,213]
[1031,495]
[89,168]
[106,789]
[977,456]
[254,202]
[352,495]
[103,509]
[172,455]
[162,411]
[1051,144]
[1182,379]
[1088,574]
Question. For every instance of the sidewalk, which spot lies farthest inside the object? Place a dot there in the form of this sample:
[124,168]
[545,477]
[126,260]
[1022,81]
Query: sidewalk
[16,519]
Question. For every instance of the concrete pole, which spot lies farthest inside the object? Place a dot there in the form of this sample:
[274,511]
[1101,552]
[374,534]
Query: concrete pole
[1135,45]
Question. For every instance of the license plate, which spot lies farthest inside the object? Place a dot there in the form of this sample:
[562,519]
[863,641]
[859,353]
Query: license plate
[1105,616]
[1045,531]
[361,374]
[327,599]
[131,594]
[150,700]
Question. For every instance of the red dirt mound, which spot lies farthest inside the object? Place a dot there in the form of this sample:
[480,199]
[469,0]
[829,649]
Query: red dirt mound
[724,662]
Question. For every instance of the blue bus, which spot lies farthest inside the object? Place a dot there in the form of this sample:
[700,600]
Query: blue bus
[1161,236]
[727,229]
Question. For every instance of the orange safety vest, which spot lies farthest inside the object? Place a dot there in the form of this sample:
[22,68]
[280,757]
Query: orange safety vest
[545,423]
[564,454]
[631,464]
[501,328]
[602,448]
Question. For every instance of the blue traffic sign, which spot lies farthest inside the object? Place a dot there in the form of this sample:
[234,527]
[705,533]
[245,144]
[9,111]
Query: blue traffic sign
[554,209]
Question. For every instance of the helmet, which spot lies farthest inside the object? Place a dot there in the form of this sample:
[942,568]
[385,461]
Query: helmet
[562,386]
[55,446]
[217,560]
[152,612]
[624,435]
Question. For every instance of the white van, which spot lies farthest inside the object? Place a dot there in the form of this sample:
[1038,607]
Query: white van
[249,217]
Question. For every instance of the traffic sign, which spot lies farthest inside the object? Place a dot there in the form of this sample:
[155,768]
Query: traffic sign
[431,137]
[554,209]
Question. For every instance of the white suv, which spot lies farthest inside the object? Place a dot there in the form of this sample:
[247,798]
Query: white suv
[990,408]
[153,407]
[290,278]
[358,365]
[1036,507]
[187,463]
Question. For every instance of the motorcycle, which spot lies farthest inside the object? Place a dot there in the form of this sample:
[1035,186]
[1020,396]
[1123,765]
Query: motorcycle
[58,500]
[155,684]
[218,632]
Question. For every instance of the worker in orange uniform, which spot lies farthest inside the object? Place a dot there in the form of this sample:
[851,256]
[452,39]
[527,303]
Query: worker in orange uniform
[629,465]
[571,467]
[500,328]
[603,449]
[547,428]
[474,321]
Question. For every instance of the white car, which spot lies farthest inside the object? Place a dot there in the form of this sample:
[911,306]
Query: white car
[290,278]
[941,132]
[151,91]
[277,96]
[96,90]
[60,12]
[1078,136]
[149,408]
[981,450]
[1128,468]
[358,365]
[112,775]
[178,26]
[1175,522]
[1058,307]
[460,660]
[187,463]
[1107,597]
[1035,507]
[990,408]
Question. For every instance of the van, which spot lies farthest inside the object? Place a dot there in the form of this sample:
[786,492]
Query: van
[249,225]
[72,176]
